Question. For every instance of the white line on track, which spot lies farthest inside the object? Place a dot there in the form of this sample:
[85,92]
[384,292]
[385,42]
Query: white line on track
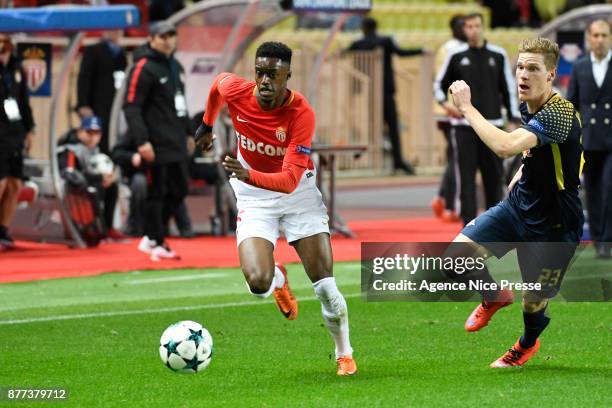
[176,278]
[149,311]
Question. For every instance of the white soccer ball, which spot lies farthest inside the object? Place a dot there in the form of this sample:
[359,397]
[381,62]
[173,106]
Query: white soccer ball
[101,164]
[186,347]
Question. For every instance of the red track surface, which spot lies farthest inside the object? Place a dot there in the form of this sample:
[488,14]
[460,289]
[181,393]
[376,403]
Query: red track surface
[32,261]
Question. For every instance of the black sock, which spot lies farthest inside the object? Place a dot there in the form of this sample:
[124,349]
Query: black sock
[3,231]
[535,323]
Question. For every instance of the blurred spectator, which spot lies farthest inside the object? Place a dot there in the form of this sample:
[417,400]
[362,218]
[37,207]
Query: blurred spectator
[529,16]
[444,204]
[370,41]
[504,13]
[590,90]
[162,9]
[156,112]
[101,75]
[133,170]
[16,132]
[198,170]
[512,13]
[79,152]
[486,69]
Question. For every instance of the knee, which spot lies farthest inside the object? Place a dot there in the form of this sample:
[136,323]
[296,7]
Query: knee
[13,185]
[533,303]
[259,280]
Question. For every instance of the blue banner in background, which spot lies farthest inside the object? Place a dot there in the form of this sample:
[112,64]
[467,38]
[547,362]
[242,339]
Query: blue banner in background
[36,61]
[332,5]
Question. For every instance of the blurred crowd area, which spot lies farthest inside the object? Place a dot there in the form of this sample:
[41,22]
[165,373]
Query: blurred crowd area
[411,23]
[348,96]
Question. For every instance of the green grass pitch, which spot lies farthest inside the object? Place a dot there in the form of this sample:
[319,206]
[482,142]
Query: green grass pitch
[99,336]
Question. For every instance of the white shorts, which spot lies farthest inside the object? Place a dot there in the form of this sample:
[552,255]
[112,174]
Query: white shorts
[298,215]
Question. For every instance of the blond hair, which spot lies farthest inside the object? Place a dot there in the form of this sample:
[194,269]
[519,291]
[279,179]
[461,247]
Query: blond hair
[542,46]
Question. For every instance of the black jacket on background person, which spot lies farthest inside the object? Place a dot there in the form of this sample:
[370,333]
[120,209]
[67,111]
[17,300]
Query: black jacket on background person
[374,41]
[593,103]
[487,71]
[13,85]
[149,106]
[96,82]
[122,154]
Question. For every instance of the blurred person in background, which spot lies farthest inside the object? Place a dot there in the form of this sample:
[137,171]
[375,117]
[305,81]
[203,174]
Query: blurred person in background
[16,132]
[443,205]
[156,112]
[371,41]
[486,69]
[590,90]
[101,74]
[134,170]
[162,9]
[76,151]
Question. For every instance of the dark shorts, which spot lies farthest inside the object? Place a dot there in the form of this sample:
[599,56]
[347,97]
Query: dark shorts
[542,258]
[11,163]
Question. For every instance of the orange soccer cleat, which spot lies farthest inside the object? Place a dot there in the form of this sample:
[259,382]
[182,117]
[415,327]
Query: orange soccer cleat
[346,366]
[517,356]
[437,206]
[484,312]
[450,216]
[284,297]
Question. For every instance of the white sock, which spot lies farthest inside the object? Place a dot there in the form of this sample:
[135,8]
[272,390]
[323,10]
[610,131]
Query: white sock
[335,314]
[279,278]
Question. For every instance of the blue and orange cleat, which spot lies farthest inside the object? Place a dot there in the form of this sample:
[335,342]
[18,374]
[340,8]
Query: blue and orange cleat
[517,356]
[284,297]
[346,366]
[484,312]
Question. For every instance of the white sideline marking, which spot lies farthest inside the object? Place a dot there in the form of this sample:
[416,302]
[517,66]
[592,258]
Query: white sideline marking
[177,278]
[147,311]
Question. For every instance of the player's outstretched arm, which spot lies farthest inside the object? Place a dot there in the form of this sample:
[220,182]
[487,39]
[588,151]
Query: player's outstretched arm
[504,144]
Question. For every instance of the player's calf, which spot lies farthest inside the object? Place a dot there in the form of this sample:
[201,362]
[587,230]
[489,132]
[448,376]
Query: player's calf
[335,315]
[535,318]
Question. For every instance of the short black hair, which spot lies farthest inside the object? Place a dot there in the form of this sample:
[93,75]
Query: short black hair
[369,24]
[474,15]
[272,49]
[456,26]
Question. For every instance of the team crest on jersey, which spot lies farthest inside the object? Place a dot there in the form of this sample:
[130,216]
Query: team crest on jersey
[281,135]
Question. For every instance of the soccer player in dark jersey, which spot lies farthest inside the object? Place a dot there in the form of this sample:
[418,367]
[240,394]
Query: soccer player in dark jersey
[543,205]
[273,178]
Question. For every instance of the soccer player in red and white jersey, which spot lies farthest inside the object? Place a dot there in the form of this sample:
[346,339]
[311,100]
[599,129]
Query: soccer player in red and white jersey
[273,178]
